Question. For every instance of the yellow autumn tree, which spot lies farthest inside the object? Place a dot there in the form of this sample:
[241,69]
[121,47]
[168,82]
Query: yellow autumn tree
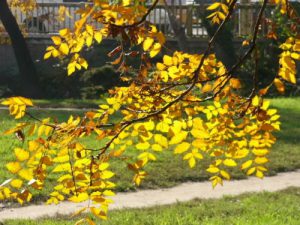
[190,103]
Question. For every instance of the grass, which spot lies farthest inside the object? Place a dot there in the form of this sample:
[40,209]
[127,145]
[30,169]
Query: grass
[248,209]
[170,170]
[68,103]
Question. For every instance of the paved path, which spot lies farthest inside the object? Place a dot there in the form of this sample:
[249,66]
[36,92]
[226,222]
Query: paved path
[148,198]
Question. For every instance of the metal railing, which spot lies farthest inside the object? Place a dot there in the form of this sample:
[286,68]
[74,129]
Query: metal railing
[43,21]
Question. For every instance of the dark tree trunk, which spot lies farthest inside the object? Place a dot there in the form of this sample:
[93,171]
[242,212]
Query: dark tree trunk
[224,43]
[27,70]
[178,30]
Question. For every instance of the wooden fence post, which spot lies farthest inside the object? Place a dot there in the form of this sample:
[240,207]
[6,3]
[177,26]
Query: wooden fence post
[245,18]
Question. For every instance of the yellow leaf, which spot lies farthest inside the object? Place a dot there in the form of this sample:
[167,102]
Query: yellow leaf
[221,15]
[235,83]
[26,174]
[296,47]
[178,138]
[246,164]
[98,36]
[64,48]
[71,68]
[80,197]
[168,61]
[225,174]
[259,174]
[147,43]
[99,213]
[160,66]
[61,159]
[213,169]
[107,174]
[21,154]
[16,183]
[89,41]
[255,101]
[199,143]
[229,162]
[13,167]
[214,6]
[47,55]
[164,76]
[64,32]
[108,193]
[182,147]
[143,146]
[260,152]
[82,62]
[192,162]
[62,167]
[149,125]
[56,40]
[251,171]
[89,29]
[261,160]
[155,50]
[279,85]
[161,140]
[156,147]
[126,2]
[212,15]
[206,88]
[241,153]
[295,56]
[103,166]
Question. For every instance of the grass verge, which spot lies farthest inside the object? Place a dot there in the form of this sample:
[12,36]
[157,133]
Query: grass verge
[248,209]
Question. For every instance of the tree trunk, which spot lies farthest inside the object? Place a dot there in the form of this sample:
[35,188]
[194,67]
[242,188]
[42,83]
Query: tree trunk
[29,79]
[178,30]
[224,42]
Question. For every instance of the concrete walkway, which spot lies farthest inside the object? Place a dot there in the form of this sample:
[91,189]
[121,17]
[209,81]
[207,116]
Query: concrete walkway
[148,198]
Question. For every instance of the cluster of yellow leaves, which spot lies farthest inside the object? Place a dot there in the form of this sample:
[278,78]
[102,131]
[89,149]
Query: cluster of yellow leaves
[23,171]
[149,43]
[114,20]
[221,11]
[66,45]
[24,5]
[17,106]
[181,66]
[219,136]
[81,175]
[287,62]
[282,4]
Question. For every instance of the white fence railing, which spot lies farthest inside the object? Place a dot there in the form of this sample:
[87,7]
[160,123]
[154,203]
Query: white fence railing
[43,21]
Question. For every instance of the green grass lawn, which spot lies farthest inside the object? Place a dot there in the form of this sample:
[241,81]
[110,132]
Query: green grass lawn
[69,103]
[170,170]
[279,208]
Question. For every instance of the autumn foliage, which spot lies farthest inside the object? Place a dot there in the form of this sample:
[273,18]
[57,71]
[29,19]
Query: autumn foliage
[190,103]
